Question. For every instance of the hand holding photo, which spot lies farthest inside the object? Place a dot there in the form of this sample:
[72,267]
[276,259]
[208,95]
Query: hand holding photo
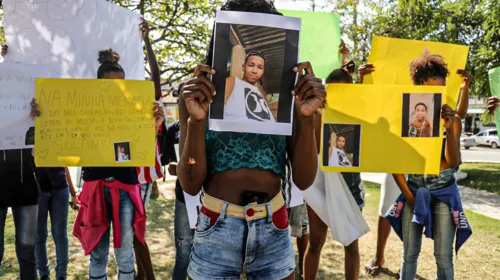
[254,65]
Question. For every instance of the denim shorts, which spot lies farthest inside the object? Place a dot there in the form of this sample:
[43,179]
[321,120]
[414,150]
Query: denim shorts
[299,221]
[254,239]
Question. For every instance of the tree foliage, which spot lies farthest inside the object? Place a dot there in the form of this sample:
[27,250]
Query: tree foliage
[475,23]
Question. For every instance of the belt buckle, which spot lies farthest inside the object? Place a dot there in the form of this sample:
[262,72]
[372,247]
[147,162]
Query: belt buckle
[110,179]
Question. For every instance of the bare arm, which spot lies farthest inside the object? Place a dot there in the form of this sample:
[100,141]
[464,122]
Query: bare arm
[302,152]
[405,189]
[196,96]
[463,103]
[191,146]
[153,63]
[452,147]
[229,88]
[310,94]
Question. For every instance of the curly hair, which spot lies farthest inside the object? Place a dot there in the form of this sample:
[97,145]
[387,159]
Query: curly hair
[428,66]
[109,63]
[339,76]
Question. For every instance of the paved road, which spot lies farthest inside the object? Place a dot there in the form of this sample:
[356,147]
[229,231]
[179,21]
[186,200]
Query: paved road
[482,154]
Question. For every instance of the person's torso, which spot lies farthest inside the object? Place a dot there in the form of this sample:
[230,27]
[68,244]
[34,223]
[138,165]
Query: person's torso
[247,103]
[234,150]
[445,178]
[53,178]
[126,175]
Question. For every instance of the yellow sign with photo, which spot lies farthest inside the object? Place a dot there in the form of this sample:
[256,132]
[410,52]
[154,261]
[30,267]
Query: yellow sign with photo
[95,123]
[392,57]
[382,128]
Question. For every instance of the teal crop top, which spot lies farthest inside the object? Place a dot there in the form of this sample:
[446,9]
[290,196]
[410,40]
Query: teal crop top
[234,150]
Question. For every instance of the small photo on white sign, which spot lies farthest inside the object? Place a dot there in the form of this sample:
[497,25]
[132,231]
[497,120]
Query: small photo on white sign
[254,56]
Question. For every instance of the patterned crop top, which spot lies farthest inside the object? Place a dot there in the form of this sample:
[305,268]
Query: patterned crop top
[234,150]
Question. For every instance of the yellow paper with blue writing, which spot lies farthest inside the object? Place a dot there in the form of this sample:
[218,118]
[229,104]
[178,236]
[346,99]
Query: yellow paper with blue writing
[392,57]
[96,123]
[371,128]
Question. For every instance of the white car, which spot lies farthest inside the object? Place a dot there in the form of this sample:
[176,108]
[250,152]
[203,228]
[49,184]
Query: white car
[487,138]
[467,142]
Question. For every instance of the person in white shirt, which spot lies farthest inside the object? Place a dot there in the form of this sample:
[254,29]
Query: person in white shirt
[245,98]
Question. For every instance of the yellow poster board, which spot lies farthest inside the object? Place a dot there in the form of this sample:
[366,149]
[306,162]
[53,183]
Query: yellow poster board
[392,57]
[376,123]
[94,123]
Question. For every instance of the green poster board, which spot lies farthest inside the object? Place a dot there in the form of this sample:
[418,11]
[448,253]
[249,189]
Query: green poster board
[494,75]
[319,40]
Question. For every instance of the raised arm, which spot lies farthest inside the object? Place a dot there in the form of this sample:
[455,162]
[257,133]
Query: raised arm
[463,103]
[153,63]
[310,94]
[196,96]
[453,125]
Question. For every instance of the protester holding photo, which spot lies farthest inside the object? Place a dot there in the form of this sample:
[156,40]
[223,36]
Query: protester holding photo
[243,226]
[19,190]
[111,194]
[236,99]
[389,189]
[318,228]
[436,195]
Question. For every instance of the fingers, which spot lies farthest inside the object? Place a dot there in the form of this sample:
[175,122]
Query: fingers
[203,70]
[302,81]
[304,91]
[202,80]
[306,66]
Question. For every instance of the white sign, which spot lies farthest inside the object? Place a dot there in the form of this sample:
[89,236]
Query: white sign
[297,197]
[254,76]
[17,89]
[67,35]
[193,204]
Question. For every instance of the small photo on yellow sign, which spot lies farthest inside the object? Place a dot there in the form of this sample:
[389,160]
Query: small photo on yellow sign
[382,128]
[343,142]
[421,115]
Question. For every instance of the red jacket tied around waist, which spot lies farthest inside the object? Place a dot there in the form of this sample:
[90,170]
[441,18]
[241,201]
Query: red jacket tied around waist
[92,219]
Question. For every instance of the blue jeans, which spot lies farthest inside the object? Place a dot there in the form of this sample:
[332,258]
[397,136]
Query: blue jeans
[443,233]
[25,222]
[232,246]
[183,234]
[57,204]
[125,255]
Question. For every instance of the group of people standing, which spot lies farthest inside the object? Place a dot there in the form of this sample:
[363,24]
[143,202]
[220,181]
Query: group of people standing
[244,223]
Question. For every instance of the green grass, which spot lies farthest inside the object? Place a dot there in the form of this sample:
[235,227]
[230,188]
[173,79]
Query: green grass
[482,176]
[478,258]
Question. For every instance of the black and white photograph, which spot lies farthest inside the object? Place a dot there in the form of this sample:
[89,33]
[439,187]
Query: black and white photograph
[421,115]
[122,151]
[342,145]
[254,56]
